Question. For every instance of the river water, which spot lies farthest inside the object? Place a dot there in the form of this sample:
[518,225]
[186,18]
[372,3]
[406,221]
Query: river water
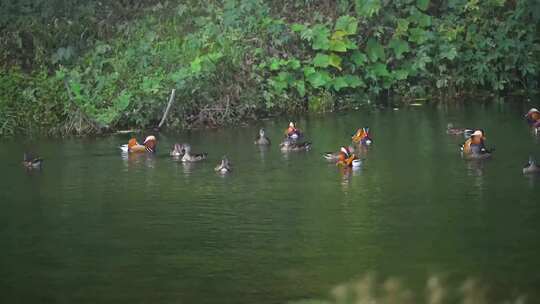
[94,226]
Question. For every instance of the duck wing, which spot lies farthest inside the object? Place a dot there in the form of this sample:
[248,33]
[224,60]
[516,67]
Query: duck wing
[200,156]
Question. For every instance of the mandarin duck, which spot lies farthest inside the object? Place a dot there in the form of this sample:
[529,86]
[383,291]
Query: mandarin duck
[362,137]
[31,162]
[292,145]
[149,145]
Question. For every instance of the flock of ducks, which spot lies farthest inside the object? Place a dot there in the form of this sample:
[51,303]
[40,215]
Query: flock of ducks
[293,140]
[474,145]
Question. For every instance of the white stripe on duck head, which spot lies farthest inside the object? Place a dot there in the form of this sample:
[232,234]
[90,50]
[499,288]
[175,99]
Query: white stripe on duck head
[150,143]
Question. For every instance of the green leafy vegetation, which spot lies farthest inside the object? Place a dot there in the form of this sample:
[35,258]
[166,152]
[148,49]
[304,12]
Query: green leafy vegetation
[82,67]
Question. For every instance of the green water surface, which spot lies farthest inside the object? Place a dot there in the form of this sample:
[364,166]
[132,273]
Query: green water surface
[96,227]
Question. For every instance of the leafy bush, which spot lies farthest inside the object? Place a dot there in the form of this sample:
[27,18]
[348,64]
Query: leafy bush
[115,66]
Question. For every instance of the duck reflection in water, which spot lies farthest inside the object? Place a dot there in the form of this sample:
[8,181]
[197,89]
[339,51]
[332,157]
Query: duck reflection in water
[136,159]
[188,167]
[347,174]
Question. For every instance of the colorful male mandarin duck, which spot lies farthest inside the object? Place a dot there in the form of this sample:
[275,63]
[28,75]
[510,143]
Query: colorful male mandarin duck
[362,137]
[178,150]
[474,147]
[292,145]
[31,162]
[149,145]
[262,139]
[533,118]
[224,167]
[531,167]
[347,159]
[192,157]
[292,132]
[334,156]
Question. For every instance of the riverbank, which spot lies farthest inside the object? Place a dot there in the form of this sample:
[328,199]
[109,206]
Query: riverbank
[101,67]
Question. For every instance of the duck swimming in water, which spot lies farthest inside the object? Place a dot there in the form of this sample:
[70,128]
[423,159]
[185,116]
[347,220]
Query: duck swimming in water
[293,133]
[189,157]
[531,167]
[474,147]
[450,130]
[362,137]
[262,139]
[334,156]
[292,145]
[224,167]
[347,159]
[533,119]
[31,162]
[149,145]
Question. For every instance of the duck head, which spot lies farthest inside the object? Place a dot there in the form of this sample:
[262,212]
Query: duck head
[225,162]
[132,142]
[30,161]
[178,150]
[186,148]
[478,136]
[261,133]
[362,137]
[224,166]
[347,151]
[531,166]
[150,143]
[533,114]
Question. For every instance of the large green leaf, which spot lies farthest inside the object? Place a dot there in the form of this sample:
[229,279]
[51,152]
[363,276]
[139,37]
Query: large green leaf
[379,69]
[347,24]
[375,50]
[319,79]
[300,87]
[321,60]
[422,4]
[418,35]
[359,58]
[367,8]
[308,71]
[298,27]
[447,51]
[320,37]
[294,64]
[196,65]
[275,64]
[399,46]
[400,74]
[339,83]
[421,19]
[338,46]
[122,101]
[281,81]
[335,61]
[354,81]
[402,27]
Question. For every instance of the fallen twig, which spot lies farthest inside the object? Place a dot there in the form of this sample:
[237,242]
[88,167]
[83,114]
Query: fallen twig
[171,99]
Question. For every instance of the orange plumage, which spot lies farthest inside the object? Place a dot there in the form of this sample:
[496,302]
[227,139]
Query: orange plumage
[132,142]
